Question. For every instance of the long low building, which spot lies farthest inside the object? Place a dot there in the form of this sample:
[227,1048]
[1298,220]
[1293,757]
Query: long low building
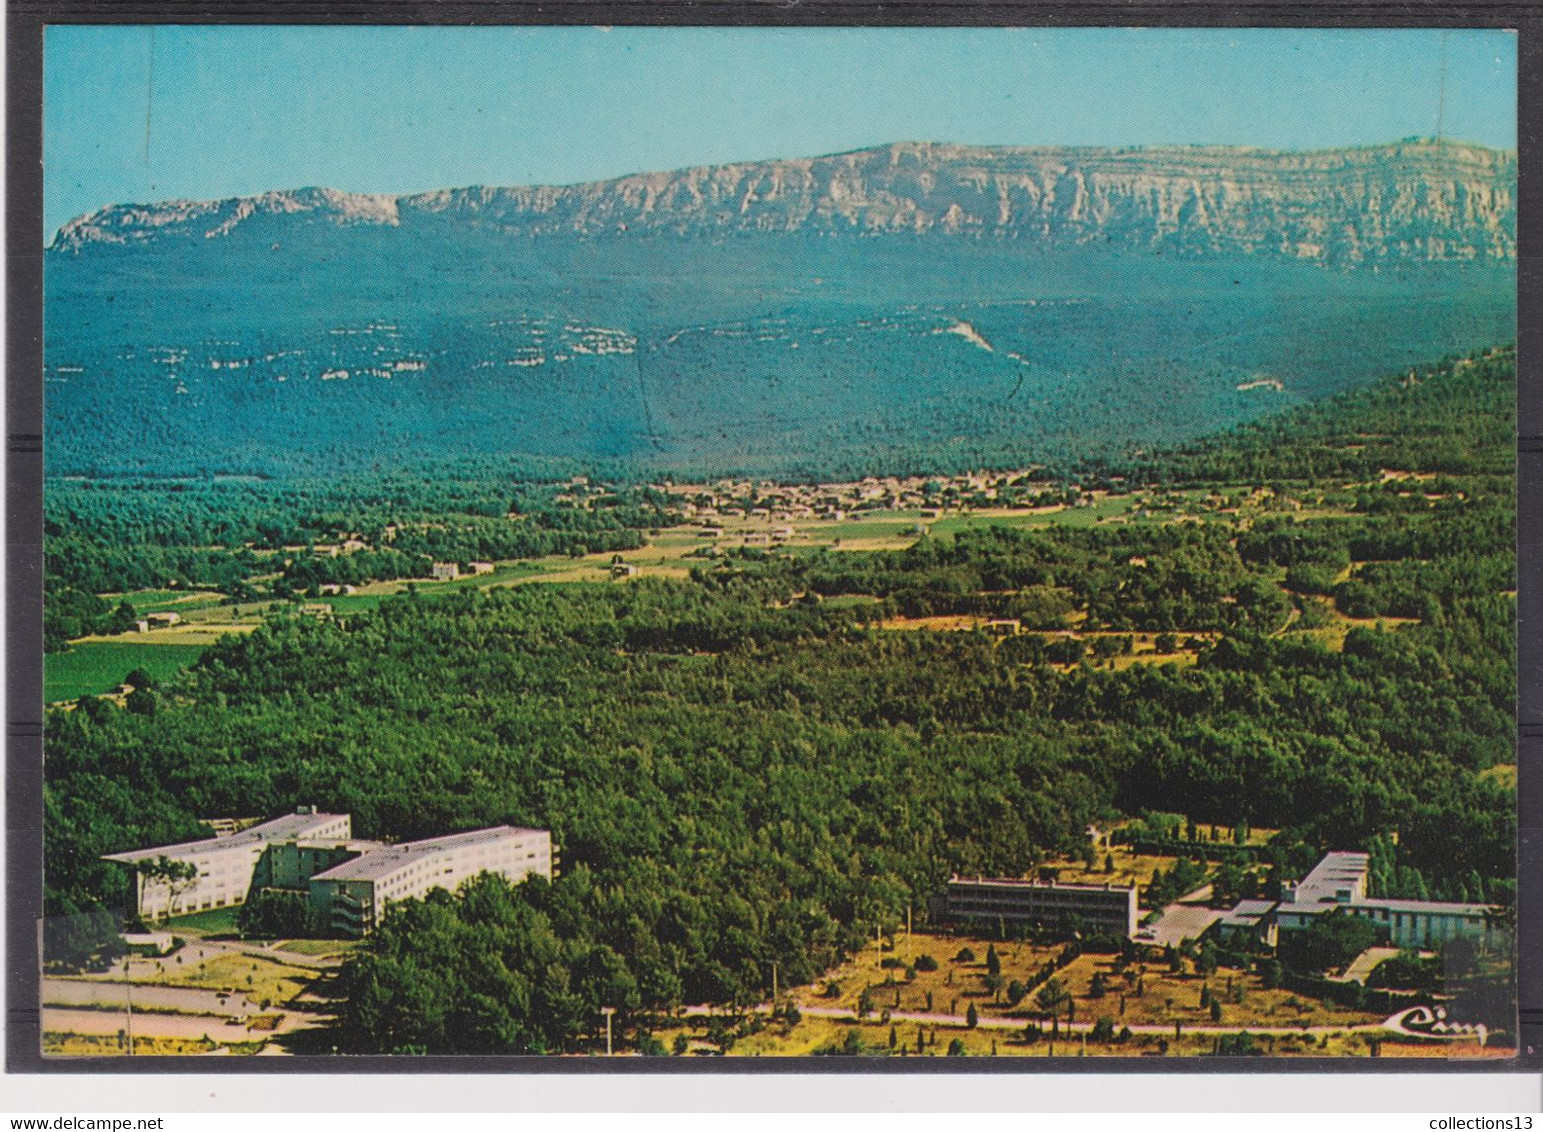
[224,866]
[350,898]
[348,882]
[1109,908]
[1339,883]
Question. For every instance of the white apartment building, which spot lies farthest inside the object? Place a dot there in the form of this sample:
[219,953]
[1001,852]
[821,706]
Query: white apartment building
[351,897]
[225,864]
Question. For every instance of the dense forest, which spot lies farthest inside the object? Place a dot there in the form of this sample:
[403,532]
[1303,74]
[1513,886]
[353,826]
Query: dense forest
[741,770]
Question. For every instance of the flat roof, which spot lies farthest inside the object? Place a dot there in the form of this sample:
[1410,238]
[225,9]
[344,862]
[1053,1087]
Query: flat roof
[383,862]
[1336,870]
[1045,885]
[1248,913]
[276,829]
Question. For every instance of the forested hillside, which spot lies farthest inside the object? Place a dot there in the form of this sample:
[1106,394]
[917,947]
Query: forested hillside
[926,308]
[742,769]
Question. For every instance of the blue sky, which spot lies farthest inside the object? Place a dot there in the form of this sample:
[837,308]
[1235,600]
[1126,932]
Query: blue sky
[132,115]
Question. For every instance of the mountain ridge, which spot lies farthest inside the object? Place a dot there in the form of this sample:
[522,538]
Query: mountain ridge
[1416,199]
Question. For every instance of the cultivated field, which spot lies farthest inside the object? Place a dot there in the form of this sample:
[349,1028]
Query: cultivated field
[93,667]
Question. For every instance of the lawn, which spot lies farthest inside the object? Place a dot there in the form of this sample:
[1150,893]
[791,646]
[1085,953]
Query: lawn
[316,946]
[260,980]
[1129,868]
[949,989]
[850,601]
[1146,992]
[216,921]
[94,667]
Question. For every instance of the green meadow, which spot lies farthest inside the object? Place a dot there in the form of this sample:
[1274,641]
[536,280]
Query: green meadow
[99,666]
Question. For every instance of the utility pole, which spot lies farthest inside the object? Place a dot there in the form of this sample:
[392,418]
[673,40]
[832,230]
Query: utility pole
[608,1011]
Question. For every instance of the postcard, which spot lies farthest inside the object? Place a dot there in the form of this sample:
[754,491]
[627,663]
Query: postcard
[734,542]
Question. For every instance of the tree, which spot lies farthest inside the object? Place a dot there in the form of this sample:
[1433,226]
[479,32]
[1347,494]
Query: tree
[276,914]
[956,1048]
[894,1037]
[1052,996]
[971,1017]
[1330,942]
[993,960]
[994,985]
[176,876]
[1206,962]
[1270,974]
[142,701]
[82,941]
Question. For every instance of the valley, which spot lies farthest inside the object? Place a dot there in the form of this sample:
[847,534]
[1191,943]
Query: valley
[768,721]
[927,600]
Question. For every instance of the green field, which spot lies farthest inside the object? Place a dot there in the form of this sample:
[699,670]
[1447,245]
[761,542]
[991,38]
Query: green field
[100,666]
[215,921]
[162,601]
[850,601]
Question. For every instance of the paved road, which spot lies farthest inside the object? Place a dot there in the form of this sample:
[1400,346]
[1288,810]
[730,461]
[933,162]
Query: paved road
[96,1022]
[187,1000]
[194,1012]
[1082,1027]
[997,1022]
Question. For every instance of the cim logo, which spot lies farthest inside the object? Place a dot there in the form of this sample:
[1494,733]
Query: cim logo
[1425,1022]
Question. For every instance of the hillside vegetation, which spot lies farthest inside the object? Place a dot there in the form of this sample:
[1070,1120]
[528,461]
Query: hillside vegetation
[740,773]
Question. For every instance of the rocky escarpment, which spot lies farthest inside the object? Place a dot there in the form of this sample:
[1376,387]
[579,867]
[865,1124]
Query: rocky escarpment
[1415,200]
